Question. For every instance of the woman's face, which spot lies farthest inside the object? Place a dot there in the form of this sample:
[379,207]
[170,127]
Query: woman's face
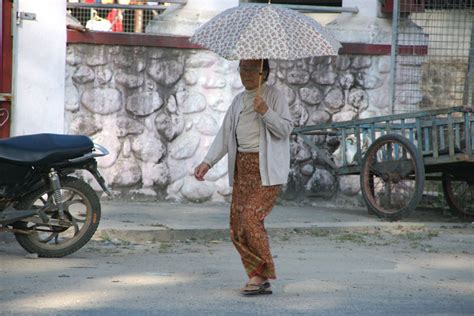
[249,73]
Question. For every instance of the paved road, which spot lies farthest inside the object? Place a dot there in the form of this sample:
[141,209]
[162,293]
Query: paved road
[409,271]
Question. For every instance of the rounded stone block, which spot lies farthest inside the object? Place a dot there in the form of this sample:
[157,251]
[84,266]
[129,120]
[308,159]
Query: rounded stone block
[347,114]
[71,98]
[349,185]
[321,184]
[213,82]
[104,75]
[359,99]
[297,77]
[346,81]
[311,96]
[126,172]
[127,126]
[83,75]
[148,148]
[166,72]
[145,103]
[361,62]
[343,62]
[184,146]
[97,57]
[169,125]
[307,169]
[84,124]
[190,78]
[197,191]
[128,80]
[191,102]
[319,117]
[299,114]
[368,79]
[324,75]
[155,174]
[113,145]
[207,125]
[72,57]
[102,101]
[201,60]
[334,99]
[287,91]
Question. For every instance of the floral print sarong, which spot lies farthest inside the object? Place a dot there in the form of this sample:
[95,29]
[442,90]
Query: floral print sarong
[251,203]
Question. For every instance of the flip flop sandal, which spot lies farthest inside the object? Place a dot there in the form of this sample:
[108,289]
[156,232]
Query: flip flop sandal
[256,289]
[265,284]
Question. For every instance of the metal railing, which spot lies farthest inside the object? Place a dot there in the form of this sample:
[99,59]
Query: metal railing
[308,8]
[131,18]
[441,76]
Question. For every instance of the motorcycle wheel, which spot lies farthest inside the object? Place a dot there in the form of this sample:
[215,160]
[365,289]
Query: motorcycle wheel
[81,209]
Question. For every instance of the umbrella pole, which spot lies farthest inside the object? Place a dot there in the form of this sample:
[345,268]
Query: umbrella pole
[260,77]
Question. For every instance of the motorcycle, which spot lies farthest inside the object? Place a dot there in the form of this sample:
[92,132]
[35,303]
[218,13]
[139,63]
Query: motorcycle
[50,210]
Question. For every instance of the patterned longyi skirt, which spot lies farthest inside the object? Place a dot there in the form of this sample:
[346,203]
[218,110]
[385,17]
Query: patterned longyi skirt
[251,203]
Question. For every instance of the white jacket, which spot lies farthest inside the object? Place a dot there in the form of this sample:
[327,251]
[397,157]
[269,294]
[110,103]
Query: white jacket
[274,147]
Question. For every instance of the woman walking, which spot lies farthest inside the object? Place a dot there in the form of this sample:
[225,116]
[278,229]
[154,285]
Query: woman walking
[255,135]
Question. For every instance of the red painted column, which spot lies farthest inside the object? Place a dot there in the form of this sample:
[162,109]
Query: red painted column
[6,50]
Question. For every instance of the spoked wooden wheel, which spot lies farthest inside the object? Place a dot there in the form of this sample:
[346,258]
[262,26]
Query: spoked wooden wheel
[392,177]
[459,194]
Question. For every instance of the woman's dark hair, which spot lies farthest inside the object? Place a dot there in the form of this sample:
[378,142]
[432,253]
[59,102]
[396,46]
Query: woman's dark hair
[266,69]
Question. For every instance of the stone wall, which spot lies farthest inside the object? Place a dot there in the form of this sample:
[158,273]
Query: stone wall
[157,110]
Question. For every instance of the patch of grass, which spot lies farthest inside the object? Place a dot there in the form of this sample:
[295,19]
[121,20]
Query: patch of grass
[124,242]
[165,247]
[105,238]
[157,225]
[418,236]
[353,237]
[319,233]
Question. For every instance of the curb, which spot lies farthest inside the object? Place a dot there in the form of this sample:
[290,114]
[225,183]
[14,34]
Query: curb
[168,235]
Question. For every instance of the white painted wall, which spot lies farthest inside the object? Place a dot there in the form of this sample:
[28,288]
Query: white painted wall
[183,20]
[367,8]
[39,55]
[363,27]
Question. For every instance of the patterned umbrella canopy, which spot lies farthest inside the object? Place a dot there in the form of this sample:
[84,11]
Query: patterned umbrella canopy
[256,31]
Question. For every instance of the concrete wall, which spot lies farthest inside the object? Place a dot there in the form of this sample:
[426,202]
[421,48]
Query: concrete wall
[38,67]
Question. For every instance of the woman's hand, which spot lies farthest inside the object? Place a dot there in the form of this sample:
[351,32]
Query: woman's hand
[259,105]
[201,170]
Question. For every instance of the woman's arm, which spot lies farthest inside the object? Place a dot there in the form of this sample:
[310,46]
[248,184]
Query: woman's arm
[277,118]
[219,146]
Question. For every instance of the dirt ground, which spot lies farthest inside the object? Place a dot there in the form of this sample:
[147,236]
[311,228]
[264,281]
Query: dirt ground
[371,272]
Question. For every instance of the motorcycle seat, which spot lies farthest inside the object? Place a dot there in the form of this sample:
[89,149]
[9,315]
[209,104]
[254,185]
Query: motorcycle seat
[44,148]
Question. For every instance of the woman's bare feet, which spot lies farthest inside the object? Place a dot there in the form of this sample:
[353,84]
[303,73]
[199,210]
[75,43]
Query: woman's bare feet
[256,286]
[257,280]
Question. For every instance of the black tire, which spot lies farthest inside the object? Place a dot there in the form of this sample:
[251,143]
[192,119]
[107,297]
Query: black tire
[459,194]
[71,188]
[392,177]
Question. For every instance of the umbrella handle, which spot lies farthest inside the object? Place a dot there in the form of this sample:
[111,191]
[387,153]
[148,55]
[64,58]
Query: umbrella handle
[260,76]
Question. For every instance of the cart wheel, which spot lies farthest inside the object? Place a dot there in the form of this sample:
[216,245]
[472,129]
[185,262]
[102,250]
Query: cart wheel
[459,194]
[392,177]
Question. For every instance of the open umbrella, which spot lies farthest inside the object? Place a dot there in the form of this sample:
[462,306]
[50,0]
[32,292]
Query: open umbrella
[265,31]
[256,31]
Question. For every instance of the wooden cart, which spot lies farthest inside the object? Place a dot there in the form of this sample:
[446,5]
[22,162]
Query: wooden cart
[395,154]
